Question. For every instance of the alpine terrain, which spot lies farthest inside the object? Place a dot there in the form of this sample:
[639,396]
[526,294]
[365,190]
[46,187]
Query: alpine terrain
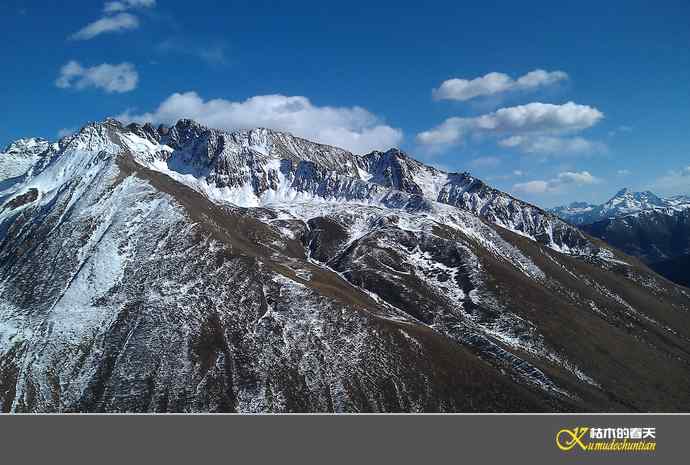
[654,229]
[187,269]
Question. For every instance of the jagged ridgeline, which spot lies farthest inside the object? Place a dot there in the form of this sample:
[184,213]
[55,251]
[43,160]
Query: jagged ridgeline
[186,269]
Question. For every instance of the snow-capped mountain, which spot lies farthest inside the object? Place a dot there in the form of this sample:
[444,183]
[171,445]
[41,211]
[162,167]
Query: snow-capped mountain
[18,157]
[189,269]
[624,203]
[681,202]
[253,167]
[642,224]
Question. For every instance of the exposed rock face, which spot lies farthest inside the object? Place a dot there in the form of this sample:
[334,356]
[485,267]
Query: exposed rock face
[187,269]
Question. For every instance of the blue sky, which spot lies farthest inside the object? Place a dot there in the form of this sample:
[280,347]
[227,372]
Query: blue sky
[550,101]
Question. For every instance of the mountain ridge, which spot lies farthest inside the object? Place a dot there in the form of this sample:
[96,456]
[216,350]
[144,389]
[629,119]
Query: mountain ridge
[395,169]
[625,202]
[189,269]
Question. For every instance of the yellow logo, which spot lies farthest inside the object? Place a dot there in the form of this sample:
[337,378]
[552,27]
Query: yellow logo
[597,439]
[566,439]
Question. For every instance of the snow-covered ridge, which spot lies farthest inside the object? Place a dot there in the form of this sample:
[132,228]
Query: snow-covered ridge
[27,147]
[624,203]
[252,168]
[18,158]
[245,167]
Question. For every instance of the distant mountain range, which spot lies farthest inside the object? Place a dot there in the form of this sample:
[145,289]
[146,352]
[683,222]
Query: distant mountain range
[624,203]
[652,228]
[188,269]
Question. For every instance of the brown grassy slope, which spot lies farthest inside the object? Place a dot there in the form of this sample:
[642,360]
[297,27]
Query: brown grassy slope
[641,363]
[444,373]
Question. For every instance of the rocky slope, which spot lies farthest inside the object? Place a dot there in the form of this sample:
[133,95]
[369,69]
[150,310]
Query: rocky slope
[652,235]
[188,269]
[676,269]
[660,238]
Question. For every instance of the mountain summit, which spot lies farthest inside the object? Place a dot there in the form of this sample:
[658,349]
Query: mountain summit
[625,202]
[182,268]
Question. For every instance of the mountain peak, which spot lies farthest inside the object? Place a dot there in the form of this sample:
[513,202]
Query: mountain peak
[645,197]
[627,192]
[27,146]
[625,202]
[252,166]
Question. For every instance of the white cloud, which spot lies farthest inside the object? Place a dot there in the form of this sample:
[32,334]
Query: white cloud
[352,128]
[580,178]
[118,22]
[124,5]
[115,18]
[551,145]
[111,78]
[450,132]
[556,184]
[532,118]
[539,117]
[463,89]
[495,83]
[623,172]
